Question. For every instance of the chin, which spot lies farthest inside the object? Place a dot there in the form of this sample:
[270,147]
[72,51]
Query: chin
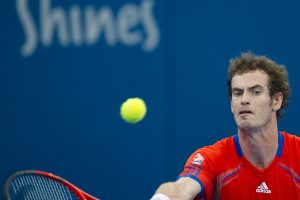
[246,125]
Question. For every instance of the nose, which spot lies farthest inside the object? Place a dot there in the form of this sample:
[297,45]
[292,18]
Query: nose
[245,98]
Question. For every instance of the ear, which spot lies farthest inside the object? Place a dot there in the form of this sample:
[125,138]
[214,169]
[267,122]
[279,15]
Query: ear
[277,101]
[231,106]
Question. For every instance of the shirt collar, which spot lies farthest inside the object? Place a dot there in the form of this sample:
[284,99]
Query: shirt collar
[239,149]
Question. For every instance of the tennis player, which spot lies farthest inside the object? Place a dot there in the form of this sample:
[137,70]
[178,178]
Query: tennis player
[259,162]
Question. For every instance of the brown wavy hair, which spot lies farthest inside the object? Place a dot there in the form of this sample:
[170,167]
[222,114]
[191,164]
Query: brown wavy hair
[278,76]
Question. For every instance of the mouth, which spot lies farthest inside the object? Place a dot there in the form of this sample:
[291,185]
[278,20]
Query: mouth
[244,112]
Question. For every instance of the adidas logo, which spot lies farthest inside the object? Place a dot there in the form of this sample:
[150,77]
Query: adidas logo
[263,188]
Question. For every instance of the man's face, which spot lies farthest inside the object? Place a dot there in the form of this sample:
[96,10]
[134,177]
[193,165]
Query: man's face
[251,103]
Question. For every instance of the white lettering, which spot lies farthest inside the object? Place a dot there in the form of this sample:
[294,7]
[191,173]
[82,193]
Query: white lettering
[51,19]
[132,25]
[263,191]
[128,19]
[75,23]
[100,22]
[29,28]
[150,25]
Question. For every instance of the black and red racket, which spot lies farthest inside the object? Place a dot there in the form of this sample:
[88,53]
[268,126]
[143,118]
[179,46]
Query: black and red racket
[39,185]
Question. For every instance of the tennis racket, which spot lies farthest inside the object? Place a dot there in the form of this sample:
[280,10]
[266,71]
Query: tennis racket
[39,185]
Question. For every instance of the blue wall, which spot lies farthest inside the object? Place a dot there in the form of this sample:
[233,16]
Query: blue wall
[66,67]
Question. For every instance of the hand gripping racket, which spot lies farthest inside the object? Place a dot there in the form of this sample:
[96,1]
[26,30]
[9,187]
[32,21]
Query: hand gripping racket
[39,185]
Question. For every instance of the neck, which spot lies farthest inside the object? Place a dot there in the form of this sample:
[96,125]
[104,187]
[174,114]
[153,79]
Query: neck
[259,146]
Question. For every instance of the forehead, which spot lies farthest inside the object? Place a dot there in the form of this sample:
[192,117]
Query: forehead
[250,79]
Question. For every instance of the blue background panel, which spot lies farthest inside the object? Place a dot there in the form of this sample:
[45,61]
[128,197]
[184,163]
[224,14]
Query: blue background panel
[60,101]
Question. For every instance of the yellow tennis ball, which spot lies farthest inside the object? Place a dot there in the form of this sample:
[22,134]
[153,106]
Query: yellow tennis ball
[133,110]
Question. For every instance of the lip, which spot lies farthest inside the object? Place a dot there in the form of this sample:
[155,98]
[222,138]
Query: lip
[245,112]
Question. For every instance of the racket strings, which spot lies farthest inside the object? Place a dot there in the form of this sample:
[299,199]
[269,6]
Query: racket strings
[35,187]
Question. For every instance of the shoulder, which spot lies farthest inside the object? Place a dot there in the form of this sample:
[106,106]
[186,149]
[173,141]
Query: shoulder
[291,138]
[217,150]
[220,146]
[291,144]
[291,151]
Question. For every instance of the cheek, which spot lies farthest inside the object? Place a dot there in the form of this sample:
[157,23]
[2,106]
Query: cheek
[264,108]
[234,104]
[234,108]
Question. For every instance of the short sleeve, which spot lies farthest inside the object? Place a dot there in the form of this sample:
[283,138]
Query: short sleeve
[202,166]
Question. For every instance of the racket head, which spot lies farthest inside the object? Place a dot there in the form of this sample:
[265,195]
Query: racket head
[39,185]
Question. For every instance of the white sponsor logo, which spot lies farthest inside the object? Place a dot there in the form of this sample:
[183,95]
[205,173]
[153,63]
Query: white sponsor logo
[131,25]
[198,159]
[263,188]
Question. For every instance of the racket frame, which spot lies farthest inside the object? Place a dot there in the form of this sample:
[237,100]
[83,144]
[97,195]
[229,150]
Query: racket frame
[81,194]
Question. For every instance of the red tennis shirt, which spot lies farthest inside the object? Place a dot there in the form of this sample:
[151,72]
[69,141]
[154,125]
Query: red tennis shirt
[224,173]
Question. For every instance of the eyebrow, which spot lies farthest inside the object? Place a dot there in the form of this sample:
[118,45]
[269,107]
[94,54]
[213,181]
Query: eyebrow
[251,88]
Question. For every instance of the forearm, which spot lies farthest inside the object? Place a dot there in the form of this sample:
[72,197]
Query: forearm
[180,190]
[171,189]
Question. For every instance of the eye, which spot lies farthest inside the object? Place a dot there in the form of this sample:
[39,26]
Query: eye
[256,92]
[237,93]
